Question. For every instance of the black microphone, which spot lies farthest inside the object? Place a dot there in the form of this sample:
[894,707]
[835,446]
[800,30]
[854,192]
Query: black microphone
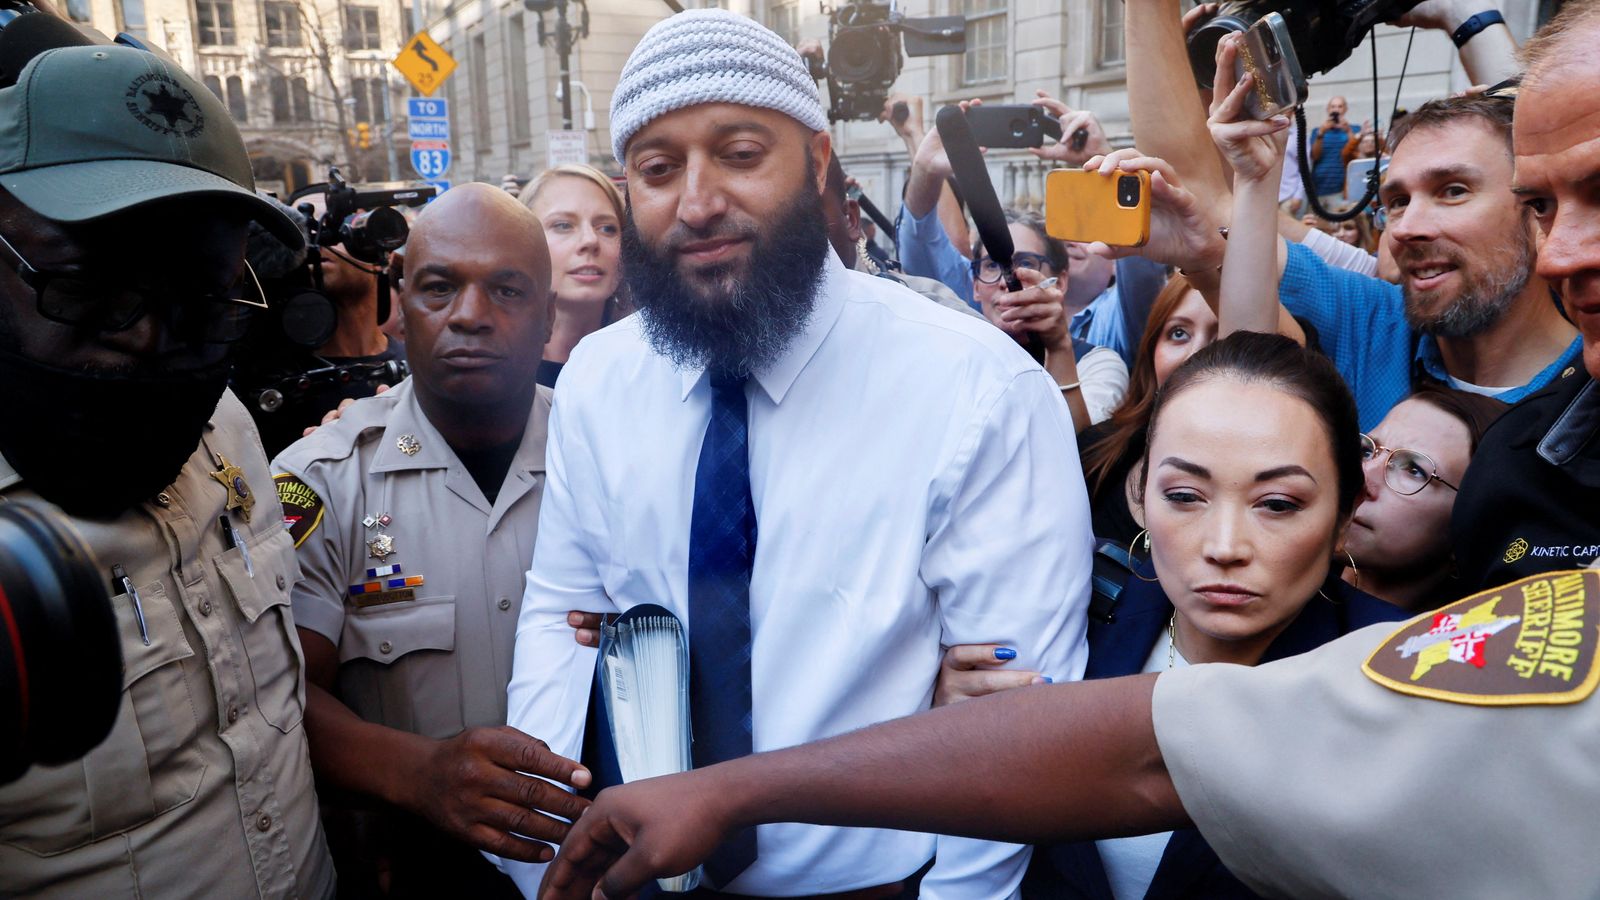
[27,36]
[972,176]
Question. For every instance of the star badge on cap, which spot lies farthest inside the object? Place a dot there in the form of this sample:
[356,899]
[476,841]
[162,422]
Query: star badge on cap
[232,478]
[408,444]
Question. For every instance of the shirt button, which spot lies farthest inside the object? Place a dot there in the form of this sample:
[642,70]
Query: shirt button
[205,607]
[385,647]
[263,823]
[163,500]
[280,582]
[233,714]
[505,603]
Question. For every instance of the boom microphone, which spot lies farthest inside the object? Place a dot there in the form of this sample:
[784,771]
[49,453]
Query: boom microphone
[27,36]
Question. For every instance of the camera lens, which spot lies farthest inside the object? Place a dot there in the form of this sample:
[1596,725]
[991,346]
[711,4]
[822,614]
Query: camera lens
[1128,191]
[60,659]
[1019,129]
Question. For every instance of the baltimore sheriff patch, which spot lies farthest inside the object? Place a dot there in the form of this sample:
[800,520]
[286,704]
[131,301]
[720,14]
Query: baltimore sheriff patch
[1531,641]
[302,508]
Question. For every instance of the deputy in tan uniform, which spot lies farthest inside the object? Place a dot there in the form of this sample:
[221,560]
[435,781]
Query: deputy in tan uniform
[414,518]
[124,198]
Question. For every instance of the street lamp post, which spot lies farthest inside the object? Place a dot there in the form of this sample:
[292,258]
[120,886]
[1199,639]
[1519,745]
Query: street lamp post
[564,37]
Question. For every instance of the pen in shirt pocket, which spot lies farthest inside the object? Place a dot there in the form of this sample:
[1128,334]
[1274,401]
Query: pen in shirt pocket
[232,538]
[119,577]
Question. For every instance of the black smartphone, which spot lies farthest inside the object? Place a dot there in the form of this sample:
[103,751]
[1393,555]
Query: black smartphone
[1012,126]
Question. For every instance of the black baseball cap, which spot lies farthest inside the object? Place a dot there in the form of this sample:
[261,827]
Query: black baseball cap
[91,131]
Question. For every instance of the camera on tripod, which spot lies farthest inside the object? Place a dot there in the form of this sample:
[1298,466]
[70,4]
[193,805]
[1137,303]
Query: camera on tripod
[864,53]
[1323,32]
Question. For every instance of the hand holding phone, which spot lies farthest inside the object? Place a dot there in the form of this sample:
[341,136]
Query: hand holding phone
[1012,126]
[1087,206]
[1267,54]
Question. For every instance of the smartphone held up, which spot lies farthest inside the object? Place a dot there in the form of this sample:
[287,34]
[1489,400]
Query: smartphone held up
[1087,206]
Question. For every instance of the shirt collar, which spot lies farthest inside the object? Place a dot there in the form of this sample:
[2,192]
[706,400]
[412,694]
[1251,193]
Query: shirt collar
[777,378]
[1430,361]
[408,425]
[8,475]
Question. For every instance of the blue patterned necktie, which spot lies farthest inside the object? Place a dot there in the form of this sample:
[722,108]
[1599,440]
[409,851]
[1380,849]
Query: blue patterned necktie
[722,552]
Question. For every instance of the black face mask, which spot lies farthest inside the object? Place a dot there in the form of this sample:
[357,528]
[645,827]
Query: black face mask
[97,444]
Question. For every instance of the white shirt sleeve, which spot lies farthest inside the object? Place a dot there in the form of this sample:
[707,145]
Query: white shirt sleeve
[1339,254]
[1009,556]
[551,675]
[1103,379]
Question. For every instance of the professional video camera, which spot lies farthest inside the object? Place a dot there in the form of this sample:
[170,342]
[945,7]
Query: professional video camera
[864,55]
[1324,32]
[60,659]
[281,379]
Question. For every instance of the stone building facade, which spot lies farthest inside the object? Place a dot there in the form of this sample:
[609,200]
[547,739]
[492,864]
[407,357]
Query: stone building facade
[298,76]
[505,100]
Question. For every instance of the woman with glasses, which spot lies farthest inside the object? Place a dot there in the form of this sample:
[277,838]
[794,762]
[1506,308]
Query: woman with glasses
[1092,379]
[1414,461]
[1245,490]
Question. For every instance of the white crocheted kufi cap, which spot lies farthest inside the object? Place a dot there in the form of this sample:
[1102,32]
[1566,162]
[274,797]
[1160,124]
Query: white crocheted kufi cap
[710,56]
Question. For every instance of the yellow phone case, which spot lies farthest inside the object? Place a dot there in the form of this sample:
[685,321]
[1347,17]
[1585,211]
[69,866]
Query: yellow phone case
[1087,206]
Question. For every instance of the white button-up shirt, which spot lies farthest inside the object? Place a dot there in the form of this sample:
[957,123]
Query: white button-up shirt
[916,485]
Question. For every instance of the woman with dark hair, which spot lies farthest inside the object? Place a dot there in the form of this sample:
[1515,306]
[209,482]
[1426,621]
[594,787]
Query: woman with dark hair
[1245,489]
[1415,459]
[1092,379]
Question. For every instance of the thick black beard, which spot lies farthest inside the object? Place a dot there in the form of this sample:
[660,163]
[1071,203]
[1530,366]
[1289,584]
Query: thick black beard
[749,321]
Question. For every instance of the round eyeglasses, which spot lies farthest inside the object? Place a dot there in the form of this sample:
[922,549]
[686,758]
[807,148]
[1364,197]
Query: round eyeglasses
[988,271]
[1405,471]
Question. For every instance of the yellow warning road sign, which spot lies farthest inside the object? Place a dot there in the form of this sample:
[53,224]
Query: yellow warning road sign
[424,63]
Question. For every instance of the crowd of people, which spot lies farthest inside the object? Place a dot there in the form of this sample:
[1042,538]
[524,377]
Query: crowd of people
[1215,558]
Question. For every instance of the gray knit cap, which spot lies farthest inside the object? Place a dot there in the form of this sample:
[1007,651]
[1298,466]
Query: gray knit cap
[710,56]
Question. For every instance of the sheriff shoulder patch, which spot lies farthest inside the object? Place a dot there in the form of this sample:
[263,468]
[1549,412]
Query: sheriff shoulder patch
[302,508]
[1529,642]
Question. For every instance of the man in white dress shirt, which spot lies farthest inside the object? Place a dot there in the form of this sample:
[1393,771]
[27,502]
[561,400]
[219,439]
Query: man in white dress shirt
[847,476]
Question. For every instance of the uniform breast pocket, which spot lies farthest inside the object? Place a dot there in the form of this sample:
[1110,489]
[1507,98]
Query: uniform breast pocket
[384,634]
[277,665]
[147,766]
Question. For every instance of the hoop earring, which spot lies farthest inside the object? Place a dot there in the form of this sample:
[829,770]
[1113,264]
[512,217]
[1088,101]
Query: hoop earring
[1357,581]
[1133,564]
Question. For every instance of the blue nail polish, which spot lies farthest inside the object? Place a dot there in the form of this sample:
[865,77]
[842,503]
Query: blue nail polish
[1048,679]
[1005,653]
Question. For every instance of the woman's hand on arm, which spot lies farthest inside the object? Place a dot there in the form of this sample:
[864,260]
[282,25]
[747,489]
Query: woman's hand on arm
[975,670]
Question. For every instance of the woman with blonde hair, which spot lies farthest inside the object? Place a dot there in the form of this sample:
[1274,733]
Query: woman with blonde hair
[582,214]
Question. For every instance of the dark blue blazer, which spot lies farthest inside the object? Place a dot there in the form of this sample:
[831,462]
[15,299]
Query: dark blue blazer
[1189,867]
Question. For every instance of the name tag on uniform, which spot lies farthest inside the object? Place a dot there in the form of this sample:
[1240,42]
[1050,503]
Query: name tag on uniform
[1532,641]
[403,595]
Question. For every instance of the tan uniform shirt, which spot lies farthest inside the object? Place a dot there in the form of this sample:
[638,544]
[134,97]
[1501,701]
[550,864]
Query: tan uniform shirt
[434,657]
[204,786]
[1312,778]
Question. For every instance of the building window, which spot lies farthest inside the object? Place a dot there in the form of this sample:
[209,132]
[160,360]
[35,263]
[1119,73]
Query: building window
[216,23]
[985,59]
[1108,50]
[214,84]
[291,101]
[517,79]
[78,10]
[481,130]
[237,107]
[283,25]
[361,28]
[783,16]
[131,12]
[368,94]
